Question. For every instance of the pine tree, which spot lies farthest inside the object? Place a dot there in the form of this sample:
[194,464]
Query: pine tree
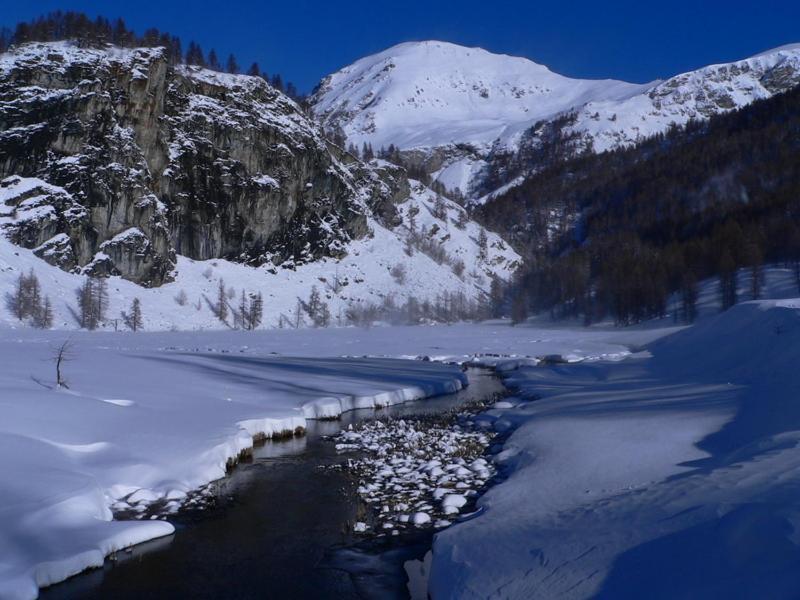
[277,82]
[194,55]
[244,312]
[18,302]
[439,208]
[689,298]
[413,211]
[231,66]
[254,70]
[87,310]
[27,302]
[256,311]
[496,296]
[519,307]
[366,152]
[133,320]
[221,307]
[754,259]
[101,299]
[483,246]
[727,280]
[462,219]
[317,309]
[213,61]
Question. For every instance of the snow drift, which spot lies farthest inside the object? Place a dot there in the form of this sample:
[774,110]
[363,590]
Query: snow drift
[661,476]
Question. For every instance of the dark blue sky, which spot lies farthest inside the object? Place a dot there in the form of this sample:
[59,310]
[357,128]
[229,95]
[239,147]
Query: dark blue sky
[306,39]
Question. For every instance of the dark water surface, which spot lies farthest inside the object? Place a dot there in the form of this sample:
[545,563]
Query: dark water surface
[273,529]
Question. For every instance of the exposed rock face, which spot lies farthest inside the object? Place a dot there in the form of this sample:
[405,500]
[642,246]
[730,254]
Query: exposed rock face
[139,160]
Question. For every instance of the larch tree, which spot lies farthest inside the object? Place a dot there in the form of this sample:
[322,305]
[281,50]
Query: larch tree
[133,319]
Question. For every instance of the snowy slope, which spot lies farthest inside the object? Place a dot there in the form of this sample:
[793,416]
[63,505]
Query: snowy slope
[672,474]
[433,95]
[115,163]
[364,274]
[697,94]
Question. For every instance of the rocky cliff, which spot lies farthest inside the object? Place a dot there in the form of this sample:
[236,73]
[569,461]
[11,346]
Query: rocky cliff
[128,161]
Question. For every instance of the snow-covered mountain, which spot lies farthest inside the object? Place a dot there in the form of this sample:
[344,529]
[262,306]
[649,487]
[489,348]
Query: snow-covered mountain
[456,110]
[429,94]
[432,94]
[115,163]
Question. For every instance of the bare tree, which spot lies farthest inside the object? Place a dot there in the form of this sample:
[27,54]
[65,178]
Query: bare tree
[483,246]
[62,355]
[221,307]
[439,208]
[27,301]
[133,320]
[43,319]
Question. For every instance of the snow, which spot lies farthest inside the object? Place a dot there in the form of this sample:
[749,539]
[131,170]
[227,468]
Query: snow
[155,416]
[694,95]
[41,55]
[435,95]
[364,273]
[140,422]
[682,458]
[623,452]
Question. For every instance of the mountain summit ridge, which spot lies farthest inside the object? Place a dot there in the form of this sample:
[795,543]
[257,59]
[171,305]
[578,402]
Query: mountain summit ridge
[434,98]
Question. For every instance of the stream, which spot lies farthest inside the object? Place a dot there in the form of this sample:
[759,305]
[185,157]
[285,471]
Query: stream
[280,526]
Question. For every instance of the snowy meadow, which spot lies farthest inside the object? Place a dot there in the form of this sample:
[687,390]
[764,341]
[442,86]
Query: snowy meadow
[626,447]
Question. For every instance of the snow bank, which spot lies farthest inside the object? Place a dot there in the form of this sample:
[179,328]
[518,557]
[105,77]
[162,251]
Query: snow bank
[149,417]
[140,423]
[672,473]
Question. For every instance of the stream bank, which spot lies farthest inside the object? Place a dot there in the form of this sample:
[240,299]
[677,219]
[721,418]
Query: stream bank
[279,525]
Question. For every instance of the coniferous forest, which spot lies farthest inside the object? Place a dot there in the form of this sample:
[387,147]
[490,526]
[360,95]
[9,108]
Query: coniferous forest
[77,26]
[614,234]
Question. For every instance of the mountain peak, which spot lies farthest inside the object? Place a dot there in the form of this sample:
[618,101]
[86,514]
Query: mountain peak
[432,93]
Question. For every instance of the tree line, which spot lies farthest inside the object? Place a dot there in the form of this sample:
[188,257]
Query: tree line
[97,32]
[618,234]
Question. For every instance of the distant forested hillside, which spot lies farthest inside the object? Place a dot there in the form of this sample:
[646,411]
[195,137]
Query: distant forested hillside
[615,233]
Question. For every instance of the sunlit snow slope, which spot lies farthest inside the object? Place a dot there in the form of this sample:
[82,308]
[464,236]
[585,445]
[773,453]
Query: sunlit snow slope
[435,93]
[432,96]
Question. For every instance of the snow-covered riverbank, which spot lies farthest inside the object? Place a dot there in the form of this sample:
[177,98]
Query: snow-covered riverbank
[149,417]
[676,471]
[139,424]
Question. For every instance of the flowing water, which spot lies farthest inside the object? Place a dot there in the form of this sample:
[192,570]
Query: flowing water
[281,527]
